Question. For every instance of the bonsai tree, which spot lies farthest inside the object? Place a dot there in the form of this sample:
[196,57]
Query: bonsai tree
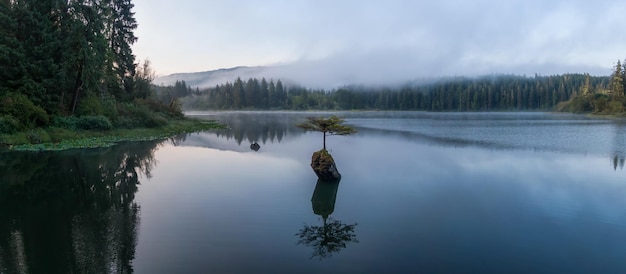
[328,126]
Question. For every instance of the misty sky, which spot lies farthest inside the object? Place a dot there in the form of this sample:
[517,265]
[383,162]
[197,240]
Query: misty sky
[386,40]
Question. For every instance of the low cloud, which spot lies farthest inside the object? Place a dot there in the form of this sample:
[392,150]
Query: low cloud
[326,44]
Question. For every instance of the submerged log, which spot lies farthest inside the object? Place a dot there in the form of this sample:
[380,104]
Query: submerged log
[324,166]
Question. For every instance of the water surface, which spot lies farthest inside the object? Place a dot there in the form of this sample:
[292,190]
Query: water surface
[420,193]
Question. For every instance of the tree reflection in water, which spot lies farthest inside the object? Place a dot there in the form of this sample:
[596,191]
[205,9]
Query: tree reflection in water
[258,127]
[71,211]
[333,235]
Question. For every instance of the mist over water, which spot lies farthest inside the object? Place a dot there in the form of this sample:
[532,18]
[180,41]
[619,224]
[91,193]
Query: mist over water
[420,192]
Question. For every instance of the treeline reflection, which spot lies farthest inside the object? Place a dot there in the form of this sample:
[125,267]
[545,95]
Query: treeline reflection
[72,211]
[617,156]
[259,127]
[618,160]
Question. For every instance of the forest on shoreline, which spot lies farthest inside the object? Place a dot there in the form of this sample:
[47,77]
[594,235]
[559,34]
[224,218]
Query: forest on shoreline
[68,67]
[578,93]
[492,93]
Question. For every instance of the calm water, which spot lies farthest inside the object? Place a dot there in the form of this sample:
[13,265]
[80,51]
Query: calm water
[420,193]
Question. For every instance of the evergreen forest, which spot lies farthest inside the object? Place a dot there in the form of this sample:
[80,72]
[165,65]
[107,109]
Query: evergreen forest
[489,93]
[68,64]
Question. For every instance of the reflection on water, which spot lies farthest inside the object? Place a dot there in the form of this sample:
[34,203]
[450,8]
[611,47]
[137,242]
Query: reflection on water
[71,211]
[437,193]
[618,160]
[333,235]
[256,127]
[501,131]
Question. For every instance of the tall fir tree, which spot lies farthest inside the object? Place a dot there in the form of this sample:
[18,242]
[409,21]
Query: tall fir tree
[11,51]
[121,25]
[88,46]
[617,81]
[43,42]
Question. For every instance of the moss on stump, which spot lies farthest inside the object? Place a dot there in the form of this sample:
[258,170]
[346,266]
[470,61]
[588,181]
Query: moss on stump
[324,166]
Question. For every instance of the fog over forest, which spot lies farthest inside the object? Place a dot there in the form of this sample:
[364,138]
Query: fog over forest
[325,44]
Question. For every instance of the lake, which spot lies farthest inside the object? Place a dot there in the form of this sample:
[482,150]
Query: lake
[420,193]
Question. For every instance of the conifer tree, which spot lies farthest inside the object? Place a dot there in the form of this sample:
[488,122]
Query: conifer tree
[121,26]
[617,81]
[11,51]
[586,86]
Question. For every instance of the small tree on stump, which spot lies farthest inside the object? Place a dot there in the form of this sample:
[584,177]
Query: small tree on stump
[328,126]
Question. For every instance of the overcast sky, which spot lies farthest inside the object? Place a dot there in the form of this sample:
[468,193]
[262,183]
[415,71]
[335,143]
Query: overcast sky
[385,40]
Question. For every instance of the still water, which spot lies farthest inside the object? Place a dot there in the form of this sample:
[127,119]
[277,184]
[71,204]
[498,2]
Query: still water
[420,193]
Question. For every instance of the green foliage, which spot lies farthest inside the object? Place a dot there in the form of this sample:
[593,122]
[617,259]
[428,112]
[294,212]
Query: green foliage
[502,92]
[599,102]
[90,105]
[615,106]
[21,108]
[69,57]
[617,81]
[139,115]
[331,125]
[143,80]
[596,103]
[66,122]
[604,101]
[328,126]
[97,122]
[172,110]
[93,105]
[34,137]
[55,138]
[8,124]
[579,104]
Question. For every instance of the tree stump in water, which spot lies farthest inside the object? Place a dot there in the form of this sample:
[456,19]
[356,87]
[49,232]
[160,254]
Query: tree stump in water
[324,166]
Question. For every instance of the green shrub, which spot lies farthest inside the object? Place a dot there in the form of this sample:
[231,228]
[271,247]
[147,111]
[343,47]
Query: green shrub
[97,122]
[90,105]
[139,115]
[125,122]
[173,110]
[60,134]
[38,136]
[8,124]
[616,107]
[66,122]
[88,122]
[599,103]
[34,137]
[579,104]
[23,109]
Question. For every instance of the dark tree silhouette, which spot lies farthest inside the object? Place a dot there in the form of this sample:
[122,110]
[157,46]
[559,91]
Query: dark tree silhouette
[327,239]
[331,126]
[72,211]
[333,235]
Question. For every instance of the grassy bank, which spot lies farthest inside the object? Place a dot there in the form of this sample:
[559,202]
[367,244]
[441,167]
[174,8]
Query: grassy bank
[55,138]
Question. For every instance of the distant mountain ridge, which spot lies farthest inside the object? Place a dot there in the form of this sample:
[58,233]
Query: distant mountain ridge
[328,74]
[207,79]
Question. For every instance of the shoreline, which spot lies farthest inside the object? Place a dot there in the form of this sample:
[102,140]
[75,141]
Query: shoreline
[97,139]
